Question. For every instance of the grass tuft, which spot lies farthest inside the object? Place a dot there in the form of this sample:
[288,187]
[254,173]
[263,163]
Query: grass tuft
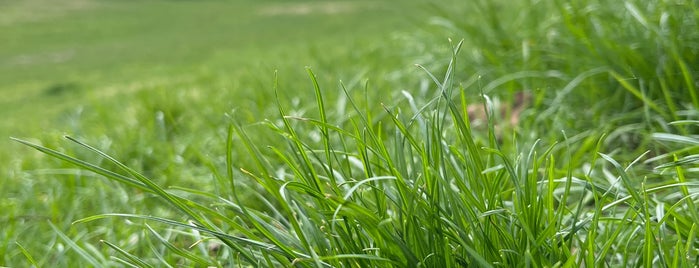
[599,169]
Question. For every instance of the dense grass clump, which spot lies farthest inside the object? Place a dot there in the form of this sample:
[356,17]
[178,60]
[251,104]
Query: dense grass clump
[626,64]
[599,169]
[414,188]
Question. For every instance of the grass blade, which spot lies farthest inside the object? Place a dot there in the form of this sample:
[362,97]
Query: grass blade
[26,254]
[85,256]
[138,262]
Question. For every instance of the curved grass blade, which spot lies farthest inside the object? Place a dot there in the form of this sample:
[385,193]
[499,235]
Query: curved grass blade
[196,259]
[85,165]
[131,257]
[86,256]
[257,244]
[27,254]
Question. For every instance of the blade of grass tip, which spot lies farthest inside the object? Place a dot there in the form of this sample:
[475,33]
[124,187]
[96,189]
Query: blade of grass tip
[531,183]
[299,146]
[638,159]
[508,166]
[684,122]
[364,118]
[319,99]
[175,201]
[464,128]
[466,125]
[300,188]
[85,165]
[434,78]
[26,254]
[135,260]
[490,116]
[594,159]
[71,244]
[404,130]
[691,239]
[356,136]
[446,84]
[449,75]
[417,112]
[324,126]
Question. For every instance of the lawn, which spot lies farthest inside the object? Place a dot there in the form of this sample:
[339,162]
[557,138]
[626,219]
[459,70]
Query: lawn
[349,133]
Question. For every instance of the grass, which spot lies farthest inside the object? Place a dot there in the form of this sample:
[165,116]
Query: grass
[600,170]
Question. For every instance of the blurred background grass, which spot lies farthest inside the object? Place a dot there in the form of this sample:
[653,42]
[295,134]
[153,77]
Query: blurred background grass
[54,57]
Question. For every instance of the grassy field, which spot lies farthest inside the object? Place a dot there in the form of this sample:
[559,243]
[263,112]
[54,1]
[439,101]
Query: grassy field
[302,133]
[51,55]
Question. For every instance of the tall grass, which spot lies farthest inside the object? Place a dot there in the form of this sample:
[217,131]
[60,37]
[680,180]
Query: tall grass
[600,171]
[412,189]
[628,57]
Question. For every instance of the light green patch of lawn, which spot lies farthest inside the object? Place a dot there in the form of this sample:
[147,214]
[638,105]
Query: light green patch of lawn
[63,55]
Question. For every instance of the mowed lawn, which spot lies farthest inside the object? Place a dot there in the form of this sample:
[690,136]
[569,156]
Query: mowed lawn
[56,57]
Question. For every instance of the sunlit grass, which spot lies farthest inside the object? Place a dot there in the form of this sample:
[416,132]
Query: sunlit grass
[598,170]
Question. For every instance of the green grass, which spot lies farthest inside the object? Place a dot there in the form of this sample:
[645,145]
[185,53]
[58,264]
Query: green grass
[213,161]
[97,49]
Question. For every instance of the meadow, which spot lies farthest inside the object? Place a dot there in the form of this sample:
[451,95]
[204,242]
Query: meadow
[341,133]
